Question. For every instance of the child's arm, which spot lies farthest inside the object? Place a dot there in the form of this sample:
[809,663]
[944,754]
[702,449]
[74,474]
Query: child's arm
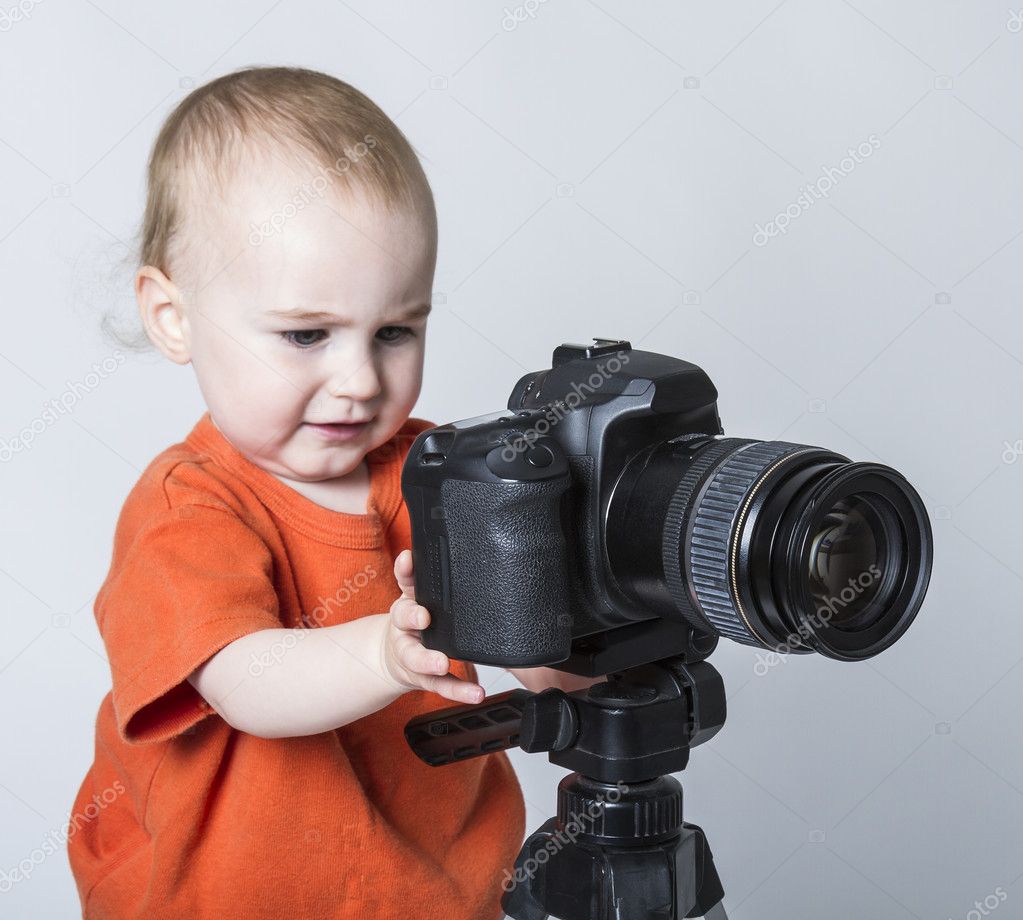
[279,683]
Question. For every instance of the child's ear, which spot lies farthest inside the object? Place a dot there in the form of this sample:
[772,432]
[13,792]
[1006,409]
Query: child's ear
[163,314]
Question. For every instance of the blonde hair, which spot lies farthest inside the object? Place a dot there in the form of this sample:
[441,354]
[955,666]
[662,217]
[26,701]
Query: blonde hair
[323,120]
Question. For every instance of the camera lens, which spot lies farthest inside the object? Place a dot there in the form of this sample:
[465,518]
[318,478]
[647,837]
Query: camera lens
[773,544]
[848,544]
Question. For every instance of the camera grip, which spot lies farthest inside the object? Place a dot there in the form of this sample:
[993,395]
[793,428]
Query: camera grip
[509,601]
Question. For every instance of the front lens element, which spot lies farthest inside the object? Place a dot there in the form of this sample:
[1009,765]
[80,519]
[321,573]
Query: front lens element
[847,555]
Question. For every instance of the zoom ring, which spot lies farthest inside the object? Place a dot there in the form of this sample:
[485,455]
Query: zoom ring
[714,520]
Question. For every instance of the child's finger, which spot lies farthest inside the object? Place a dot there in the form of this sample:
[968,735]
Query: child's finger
[410,617]
[452,688]
[415,657]
[403,573]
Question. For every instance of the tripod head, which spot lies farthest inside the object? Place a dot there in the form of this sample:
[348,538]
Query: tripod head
[618,848]
[637,724]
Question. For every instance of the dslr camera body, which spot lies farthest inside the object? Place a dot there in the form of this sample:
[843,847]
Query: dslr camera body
[604,511]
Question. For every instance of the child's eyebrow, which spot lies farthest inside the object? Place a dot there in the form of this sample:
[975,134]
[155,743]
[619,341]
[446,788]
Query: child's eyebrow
[298,313]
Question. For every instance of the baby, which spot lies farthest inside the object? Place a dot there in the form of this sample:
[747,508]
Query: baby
[259,612]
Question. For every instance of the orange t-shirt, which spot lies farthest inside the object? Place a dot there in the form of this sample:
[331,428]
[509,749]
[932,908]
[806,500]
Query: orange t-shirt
[183,816]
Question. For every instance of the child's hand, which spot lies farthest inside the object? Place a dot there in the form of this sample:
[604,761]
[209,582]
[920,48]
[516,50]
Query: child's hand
[407,660]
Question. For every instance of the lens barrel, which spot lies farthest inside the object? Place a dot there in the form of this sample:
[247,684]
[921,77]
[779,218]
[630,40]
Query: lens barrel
[772,544]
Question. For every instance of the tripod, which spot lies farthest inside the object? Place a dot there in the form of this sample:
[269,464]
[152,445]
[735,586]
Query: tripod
[618,848]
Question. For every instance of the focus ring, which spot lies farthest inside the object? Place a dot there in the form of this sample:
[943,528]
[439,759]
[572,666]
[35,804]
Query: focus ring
[714,520]
[675,520]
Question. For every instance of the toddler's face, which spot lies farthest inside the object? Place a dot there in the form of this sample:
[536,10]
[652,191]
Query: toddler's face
[321,321]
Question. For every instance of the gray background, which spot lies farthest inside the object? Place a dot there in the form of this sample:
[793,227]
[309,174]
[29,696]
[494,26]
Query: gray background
[599,170]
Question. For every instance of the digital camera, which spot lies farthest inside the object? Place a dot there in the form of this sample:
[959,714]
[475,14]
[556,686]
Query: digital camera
[605,507]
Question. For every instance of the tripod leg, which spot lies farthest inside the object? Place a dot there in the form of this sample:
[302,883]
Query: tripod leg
[710,899]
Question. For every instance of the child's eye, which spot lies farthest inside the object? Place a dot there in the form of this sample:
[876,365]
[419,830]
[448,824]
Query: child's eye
[395,334]
[304,338]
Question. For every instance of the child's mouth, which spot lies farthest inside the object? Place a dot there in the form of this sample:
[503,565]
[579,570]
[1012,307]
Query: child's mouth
[339,431]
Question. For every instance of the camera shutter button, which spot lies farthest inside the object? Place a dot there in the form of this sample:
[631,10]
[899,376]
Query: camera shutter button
[539,456]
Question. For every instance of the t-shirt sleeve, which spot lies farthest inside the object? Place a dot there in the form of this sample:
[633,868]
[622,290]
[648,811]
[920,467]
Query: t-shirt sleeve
[189,581]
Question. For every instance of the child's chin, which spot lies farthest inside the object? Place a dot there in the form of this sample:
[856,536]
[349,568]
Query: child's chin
[318,470]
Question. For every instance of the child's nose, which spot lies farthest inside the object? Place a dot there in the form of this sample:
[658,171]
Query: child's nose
[356,378]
